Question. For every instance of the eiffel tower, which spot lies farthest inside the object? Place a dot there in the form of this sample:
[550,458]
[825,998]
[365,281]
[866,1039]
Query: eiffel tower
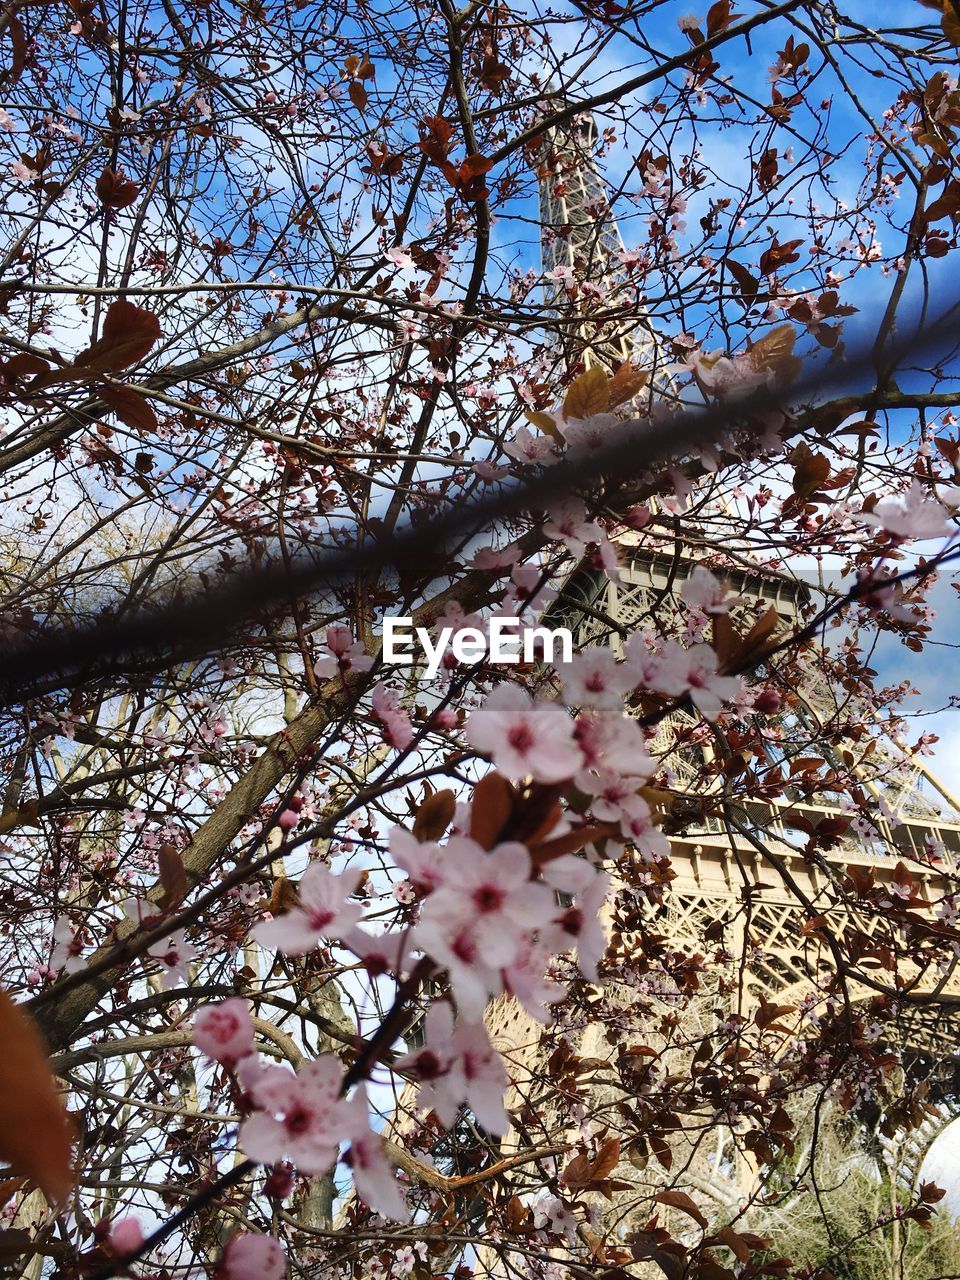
[724,889]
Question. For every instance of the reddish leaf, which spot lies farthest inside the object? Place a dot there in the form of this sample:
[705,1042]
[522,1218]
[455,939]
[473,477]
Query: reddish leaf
[358,95]
[749,285]
[115,191]
[173,876]
[680,1200]
[490,809]
[588,394]
[626,383]
[23,365]
[434,815]
[18,47]
[128,334]
[130,407]
[34,1130]
[606,1159]
[577,1173]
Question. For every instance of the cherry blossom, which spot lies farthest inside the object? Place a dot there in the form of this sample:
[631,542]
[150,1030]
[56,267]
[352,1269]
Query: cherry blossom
[529,589]
[703,591]
[397,727]
[458,1065]
[425,862]
[524,738]
[224,1031]
[568,522]
[301,1116]
[372,1173]
[253,1257]
[527,447]
[399,256]
[126,1236]
[472,926]
[678,671]
[614,743]
[584,436]
[594,678]
[343,654]
[525,978]
[636,823]
[66,954]
[324,912]
[381,953]
[911,515]
[173,954]
[579,925]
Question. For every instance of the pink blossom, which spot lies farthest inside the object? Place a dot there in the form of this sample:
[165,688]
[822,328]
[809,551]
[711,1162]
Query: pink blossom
[568,522]
[399,256]
[493,558]
[677,671]
[594,678]
[911,515]
[528,589]
[343,654]
[588,435]
[637,825]
[524,978]
[456,1066]
[609,790]
[397,726]
[579,924]
[22,172]
[472,924]
[424,861]
[301,1116]
[372,1174]
[703,591]
[526,447]
[253,1257]
[66,953]
[523,737]
[612,742]
[173,954]
[224,1031]
[381,953]
[324,912]
[126,1236]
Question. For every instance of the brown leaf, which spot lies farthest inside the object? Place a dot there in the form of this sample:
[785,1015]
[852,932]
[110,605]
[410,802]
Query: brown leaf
[627,382]
[774,351]
[588,394]
[951,25]
[173,876]
[23,365]
[680,1200]
[810,470]
[128,334]
[719,17]
[490,809]
[18,48]
[571,842]
[115,191]
[578,1172]
[606,1159]
[543,422]
[749,285]
[35,1133]
[283,896]
[130,407]
[358,95]
[434,815]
